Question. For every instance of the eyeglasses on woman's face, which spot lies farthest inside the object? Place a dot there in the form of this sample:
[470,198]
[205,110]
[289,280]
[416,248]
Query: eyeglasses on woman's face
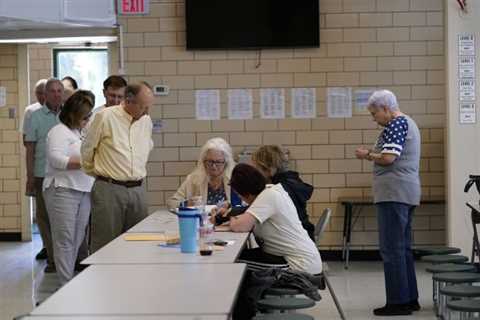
[214,163]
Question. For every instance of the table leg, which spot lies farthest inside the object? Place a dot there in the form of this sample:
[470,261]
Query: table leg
[345,214]
[347,232]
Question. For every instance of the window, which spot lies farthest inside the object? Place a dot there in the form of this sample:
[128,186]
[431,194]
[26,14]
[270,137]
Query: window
[89,67]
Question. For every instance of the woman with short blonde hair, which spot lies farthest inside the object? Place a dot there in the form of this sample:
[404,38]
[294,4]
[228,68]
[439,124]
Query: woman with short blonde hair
[272,162]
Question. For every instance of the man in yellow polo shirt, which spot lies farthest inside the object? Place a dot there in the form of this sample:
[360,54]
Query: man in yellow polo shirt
[116,151]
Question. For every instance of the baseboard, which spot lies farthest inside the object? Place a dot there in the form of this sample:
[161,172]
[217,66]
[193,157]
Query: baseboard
[10,236]
[355,255]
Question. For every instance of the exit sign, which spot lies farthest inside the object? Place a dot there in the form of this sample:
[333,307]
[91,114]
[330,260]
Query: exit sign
[133,7]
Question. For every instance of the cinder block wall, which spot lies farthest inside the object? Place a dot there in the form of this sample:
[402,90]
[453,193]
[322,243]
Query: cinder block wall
[10,215]
[394,44]
[40,65]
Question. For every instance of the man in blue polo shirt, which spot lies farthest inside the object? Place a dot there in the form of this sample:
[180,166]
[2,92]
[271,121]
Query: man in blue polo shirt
[41,121]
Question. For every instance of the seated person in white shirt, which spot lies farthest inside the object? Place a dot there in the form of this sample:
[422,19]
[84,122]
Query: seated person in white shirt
[272,217]
[66,187]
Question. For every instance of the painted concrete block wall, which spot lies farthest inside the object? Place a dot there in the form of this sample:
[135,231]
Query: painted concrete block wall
[394,44]
[10,216]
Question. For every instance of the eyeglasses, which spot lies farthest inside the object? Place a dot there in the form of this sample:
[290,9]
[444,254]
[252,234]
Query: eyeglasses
[87,116]
[216,163]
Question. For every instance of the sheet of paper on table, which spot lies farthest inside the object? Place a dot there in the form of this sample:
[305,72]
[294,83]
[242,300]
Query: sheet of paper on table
[152,237]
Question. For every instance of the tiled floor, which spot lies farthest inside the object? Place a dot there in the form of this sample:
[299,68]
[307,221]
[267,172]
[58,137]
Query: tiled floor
[360,289]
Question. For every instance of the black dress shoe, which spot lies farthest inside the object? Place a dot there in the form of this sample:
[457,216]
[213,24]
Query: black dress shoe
[414,305]
[41,255]
[393,310]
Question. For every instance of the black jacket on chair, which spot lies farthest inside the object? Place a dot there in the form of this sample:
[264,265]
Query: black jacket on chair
[299,192]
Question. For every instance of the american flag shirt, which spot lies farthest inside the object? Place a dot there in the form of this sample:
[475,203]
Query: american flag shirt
[392,139]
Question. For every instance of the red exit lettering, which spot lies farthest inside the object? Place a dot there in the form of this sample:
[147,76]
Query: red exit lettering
[133,6]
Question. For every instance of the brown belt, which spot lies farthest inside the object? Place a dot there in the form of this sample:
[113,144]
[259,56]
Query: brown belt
[127,184]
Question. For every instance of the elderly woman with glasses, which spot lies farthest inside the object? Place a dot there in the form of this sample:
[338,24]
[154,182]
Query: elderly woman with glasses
[66,187]
[210,179]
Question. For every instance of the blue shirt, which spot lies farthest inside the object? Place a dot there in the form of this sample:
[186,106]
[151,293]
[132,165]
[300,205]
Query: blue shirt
[41,121]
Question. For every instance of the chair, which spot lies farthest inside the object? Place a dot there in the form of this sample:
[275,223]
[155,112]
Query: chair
[475,216]
[319,229]
[322,224]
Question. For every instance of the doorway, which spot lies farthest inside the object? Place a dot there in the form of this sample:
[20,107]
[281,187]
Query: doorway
[88,66]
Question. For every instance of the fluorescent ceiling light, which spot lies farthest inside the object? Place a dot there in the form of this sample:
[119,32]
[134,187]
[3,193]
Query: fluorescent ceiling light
[92,39]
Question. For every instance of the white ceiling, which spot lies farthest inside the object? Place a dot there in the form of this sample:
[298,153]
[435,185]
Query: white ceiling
[14,30]
[8,23]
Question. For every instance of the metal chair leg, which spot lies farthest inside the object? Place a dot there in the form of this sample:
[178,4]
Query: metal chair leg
[334,297]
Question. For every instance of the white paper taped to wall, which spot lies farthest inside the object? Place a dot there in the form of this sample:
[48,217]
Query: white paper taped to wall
[303,103]
[3,97]
[272,103]
[240,104]
[361,97]
[207,103]
[339,102]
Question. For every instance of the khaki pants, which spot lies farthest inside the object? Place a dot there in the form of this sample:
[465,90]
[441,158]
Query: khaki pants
[115,209]
[42,220]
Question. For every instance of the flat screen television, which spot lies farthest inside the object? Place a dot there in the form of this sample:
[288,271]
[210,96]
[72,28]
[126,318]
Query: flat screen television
[254,24]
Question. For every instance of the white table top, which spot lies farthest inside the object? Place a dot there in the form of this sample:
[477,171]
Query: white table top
[120,251]
[135,317]
[175,289]
[158,221]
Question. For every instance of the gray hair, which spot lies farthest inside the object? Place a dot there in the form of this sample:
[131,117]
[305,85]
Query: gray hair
[50,83]
[216,144]
[383,98]
[40,86]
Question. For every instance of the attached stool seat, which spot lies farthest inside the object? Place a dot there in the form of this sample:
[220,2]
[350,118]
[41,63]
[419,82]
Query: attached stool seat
[450,267]
[281,292]
[448,258]
[465,307]
[452,278]
[442,268]
[284,304]
[461,291]
[283,316]
[436,250]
